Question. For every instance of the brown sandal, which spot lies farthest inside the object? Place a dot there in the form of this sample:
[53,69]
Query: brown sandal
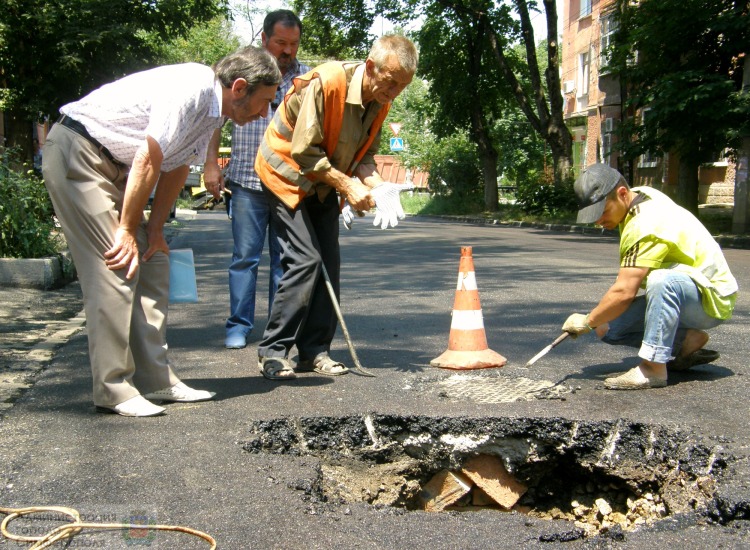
[323,364]
[276,368]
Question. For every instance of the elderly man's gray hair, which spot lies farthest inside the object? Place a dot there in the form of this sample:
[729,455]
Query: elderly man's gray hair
[256,65]
[398,45]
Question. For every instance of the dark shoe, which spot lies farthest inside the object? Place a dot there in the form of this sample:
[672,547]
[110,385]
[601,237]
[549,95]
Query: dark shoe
[698,357]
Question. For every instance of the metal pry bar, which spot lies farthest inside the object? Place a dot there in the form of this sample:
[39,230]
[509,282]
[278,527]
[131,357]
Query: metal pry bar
[357,365]
[546,350]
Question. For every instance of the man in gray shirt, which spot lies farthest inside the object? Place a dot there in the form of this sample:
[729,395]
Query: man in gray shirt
[251,213]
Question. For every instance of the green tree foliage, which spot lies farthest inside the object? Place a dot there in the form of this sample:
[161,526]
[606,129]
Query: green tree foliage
[683,60]
[464,79]
[337,29]
[27,228]
[454,170]
[413,109]
[451,160]
[539,195]
[467,53]
[54,51]
[528,80]
[253,14]
[523,151]
[205,43]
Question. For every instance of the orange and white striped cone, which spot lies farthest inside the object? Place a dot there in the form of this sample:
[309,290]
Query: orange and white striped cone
[467,343]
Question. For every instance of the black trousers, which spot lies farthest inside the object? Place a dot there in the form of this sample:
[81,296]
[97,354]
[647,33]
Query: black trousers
[302,312]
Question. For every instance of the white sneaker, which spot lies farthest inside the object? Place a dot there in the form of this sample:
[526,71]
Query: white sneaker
[135,406]
[180,393]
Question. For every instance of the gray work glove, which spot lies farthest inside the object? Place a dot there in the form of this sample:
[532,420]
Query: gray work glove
[348,213]
[576,324]
[388,209]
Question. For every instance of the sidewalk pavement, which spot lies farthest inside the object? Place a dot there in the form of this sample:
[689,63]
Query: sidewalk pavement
[36,322]
[248,467]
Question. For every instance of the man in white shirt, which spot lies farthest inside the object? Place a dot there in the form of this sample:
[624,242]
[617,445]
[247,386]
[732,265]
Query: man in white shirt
[102,160]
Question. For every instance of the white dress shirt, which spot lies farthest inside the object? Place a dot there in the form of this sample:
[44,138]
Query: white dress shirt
[179,106]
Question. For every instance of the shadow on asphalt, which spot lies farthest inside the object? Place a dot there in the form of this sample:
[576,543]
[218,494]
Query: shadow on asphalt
[230,388]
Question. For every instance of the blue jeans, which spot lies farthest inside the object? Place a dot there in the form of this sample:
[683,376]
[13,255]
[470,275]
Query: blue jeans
[657,321]
[250,219]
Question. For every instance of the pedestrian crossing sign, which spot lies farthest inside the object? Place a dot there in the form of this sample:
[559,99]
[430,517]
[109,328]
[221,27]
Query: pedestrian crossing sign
[397,144]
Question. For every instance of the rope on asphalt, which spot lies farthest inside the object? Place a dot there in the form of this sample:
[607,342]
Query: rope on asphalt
[70,530]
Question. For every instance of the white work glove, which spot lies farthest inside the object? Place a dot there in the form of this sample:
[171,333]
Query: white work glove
[348,213]
[388,209]
[576,324]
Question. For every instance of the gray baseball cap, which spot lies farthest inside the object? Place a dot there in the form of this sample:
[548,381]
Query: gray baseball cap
[592,188]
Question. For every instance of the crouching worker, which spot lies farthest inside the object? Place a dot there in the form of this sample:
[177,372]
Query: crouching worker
[665,250]
[101,162]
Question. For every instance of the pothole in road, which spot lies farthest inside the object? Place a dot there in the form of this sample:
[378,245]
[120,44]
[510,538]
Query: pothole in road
[604,476]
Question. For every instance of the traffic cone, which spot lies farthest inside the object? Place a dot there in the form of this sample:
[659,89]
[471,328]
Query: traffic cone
[467,343]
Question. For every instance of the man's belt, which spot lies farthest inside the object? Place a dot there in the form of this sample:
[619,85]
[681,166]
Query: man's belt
[81,130]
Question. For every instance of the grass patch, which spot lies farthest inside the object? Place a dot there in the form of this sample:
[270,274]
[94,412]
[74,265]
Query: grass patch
[438,205]
[184,202]
[425,205]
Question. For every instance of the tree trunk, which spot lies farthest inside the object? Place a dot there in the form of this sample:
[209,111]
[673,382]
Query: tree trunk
[479,126]
[561,165]
[741,212]
[488,158]
[546,119]
[687,183]
[561,145]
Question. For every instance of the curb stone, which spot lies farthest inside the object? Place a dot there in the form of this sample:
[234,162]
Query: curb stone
[42,273]
[59,270]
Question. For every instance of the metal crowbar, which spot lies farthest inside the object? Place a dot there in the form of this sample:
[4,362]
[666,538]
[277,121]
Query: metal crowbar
[357,365]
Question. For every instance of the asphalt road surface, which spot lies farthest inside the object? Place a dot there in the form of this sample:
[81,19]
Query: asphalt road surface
[247,467]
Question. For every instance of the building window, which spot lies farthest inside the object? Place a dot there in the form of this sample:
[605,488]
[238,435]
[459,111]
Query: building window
[648,159]
[585,8]
[607,128]
[606,148]
[579,149]
[608,28]
[582,84]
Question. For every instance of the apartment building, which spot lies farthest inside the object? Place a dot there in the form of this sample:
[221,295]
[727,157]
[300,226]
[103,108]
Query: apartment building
[593,106]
